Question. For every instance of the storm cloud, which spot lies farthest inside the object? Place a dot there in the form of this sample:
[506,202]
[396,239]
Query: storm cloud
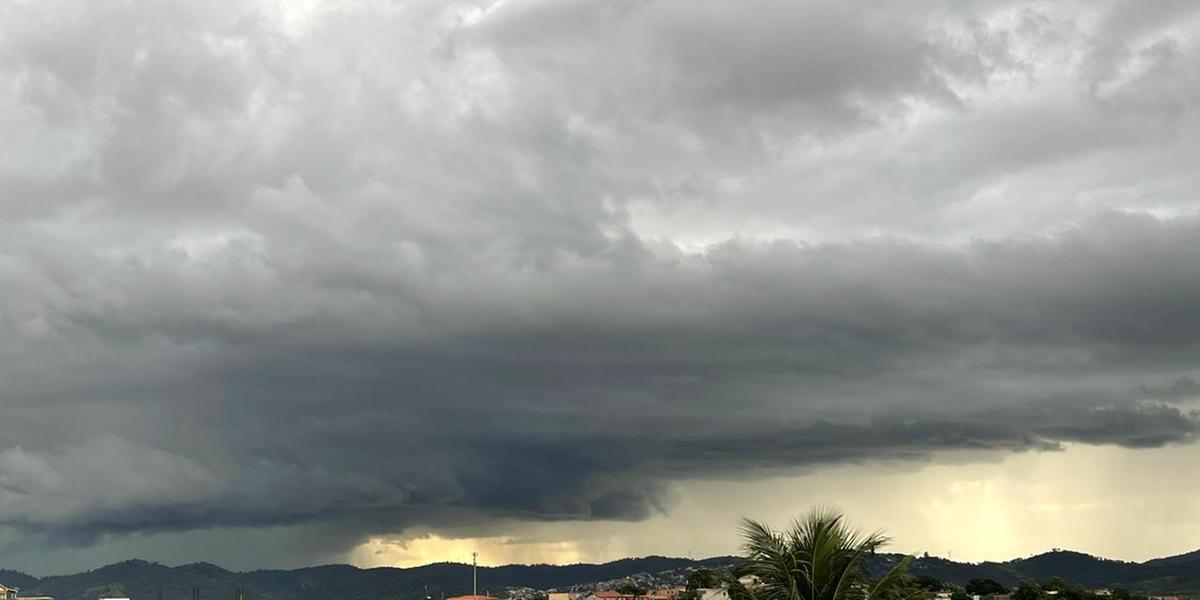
[354,266]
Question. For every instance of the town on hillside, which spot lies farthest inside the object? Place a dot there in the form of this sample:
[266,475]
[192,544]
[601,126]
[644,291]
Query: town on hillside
[704,584]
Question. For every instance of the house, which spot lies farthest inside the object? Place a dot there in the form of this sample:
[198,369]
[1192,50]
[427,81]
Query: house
[666,594]
[750,581]
[712,594]
[662,594]
[609,595]
[12,593]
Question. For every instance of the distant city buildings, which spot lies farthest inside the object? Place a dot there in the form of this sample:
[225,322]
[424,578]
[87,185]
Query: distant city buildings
[660,594]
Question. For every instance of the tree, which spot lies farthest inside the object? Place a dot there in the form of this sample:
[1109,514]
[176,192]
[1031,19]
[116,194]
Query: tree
[982,587]
[818,558]
[1066,591]
[702,578]
[929,583]
[631,589]
[959,595]
[1057,584]
[1028,590]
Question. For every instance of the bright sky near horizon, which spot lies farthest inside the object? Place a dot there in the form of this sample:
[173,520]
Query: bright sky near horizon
[1107,502]
[386,281]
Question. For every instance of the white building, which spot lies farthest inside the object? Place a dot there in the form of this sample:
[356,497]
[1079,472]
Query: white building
[12,593]
[712,594]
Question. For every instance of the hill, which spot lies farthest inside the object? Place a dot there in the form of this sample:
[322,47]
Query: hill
[1177,574]
[141,580]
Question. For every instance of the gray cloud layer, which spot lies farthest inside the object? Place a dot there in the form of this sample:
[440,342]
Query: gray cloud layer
[355,266]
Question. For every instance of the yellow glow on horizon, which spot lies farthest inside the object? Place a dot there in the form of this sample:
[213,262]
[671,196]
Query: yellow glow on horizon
[1112,502]
[395,552]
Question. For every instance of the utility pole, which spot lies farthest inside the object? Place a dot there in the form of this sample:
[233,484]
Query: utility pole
[474,577]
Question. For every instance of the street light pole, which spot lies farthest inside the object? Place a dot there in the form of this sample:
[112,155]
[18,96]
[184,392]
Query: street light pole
[474,578]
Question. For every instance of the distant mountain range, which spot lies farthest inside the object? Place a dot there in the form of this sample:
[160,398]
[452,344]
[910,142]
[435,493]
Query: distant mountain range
[141,580]
[1176,574]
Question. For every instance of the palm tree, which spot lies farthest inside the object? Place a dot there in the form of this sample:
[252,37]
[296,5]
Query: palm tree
[818,558]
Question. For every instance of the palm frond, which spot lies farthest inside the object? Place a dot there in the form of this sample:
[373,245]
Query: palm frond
[818,557]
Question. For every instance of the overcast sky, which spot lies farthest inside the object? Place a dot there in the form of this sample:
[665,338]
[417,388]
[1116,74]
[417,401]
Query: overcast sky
[291,282]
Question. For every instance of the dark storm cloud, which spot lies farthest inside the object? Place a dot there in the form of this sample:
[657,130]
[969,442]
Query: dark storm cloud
[769,356]
[1184,388]
[350,268]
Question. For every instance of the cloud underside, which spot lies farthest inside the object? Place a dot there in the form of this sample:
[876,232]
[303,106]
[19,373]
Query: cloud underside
[363,266]
[584,396]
